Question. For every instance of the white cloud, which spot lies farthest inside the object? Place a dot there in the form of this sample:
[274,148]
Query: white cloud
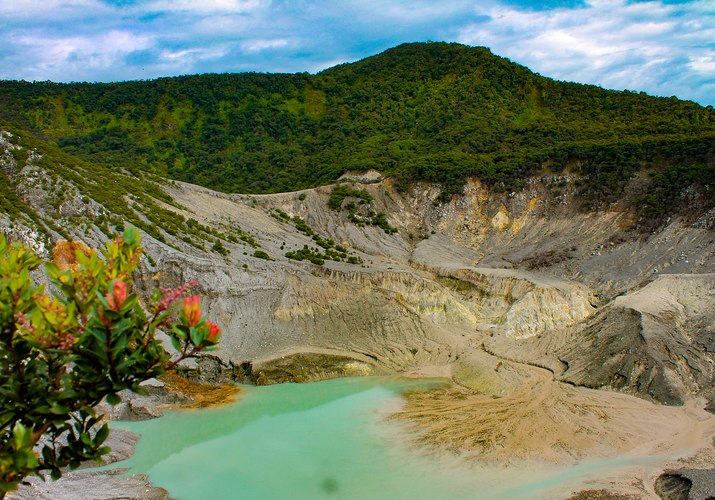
[207,6]
[179,54]
[705,64]
[223,25]
[22,12]
[45,6]
[259,45]
[418,11]
[58,57]
[638,46]
[194,54]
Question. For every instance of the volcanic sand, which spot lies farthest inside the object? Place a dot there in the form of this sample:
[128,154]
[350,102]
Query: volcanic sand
[545,420]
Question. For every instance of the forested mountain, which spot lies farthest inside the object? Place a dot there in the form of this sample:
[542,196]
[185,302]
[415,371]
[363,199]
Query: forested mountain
[423,111]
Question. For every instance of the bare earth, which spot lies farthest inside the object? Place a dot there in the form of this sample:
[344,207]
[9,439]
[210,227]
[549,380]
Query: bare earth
[545,420]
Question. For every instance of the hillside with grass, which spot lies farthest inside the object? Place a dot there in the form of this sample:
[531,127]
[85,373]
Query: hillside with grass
[55,195]
[432,112]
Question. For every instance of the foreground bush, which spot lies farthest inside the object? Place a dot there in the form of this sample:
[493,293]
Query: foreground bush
[62,354]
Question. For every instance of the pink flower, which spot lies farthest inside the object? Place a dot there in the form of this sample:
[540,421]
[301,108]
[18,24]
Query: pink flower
[214,331]
[169,295]
[192,309]
[118,295]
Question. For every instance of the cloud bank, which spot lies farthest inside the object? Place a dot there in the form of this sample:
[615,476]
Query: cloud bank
[654,46]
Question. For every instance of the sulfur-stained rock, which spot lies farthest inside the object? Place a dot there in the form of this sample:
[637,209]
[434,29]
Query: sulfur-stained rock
[309,367]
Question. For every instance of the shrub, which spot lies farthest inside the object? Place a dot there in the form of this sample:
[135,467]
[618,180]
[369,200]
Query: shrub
[219,248]
[262,255]
[380,221]
[62,355]
[306,253]
[339,193]
[300,225]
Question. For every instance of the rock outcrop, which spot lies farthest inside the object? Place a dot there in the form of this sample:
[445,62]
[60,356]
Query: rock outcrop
[653,342]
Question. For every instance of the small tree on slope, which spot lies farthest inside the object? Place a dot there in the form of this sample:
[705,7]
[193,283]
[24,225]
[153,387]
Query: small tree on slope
[62,355]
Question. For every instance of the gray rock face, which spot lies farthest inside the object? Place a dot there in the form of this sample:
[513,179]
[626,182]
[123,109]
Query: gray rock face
[134,407]
[307,367]
[648,342]
[624,350]
[591,316]
[653,342]
[686,484]
[92,485]
[85,484]
[527,275]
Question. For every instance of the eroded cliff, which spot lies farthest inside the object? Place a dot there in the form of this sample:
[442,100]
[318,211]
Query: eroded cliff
[419,286]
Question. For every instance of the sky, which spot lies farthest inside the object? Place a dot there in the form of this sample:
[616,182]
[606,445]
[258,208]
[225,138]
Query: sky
[663,47]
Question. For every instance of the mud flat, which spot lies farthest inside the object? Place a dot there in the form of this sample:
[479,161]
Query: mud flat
[618,442]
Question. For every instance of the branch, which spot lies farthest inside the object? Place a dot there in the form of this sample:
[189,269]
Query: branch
[182,357]
[36,435]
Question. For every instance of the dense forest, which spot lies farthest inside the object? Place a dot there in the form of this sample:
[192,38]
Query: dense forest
[436,112]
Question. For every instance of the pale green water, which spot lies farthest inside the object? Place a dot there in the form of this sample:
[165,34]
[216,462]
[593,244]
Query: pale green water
[323,440]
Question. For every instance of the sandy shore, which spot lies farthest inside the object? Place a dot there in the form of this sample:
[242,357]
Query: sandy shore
[548,421]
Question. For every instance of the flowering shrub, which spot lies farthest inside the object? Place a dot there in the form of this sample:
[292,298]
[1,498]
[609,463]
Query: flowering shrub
[61,355]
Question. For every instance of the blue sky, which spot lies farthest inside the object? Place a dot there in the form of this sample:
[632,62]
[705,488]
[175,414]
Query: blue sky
[664,47]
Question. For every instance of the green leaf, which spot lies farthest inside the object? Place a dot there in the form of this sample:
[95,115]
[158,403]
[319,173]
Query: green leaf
[68,291]
[19,460]
[122,367]
[59,409]
[85,439]
[112,315]
[130,235]
[103,451]
[195,337]
[114,399]
[102,300]
[182,331]
[129,303]
[31,460]
[176,343]
[90,411]
[21,435]
[98,334]
[140,314]
[119,343]
[101,435]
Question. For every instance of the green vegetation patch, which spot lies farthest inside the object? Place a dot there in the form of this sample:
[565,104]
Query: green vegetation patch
[316,257]
[128,198]
[262,255]
[340,192]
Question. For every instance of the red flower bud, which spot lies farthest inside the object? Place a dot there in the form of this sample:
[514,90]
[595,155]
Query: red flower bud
[214,331]
[118,295]
[192,309]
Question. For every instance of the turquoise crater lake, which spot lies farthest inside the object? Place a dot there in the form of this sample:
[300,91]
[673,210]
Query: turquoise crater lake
[322,440]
